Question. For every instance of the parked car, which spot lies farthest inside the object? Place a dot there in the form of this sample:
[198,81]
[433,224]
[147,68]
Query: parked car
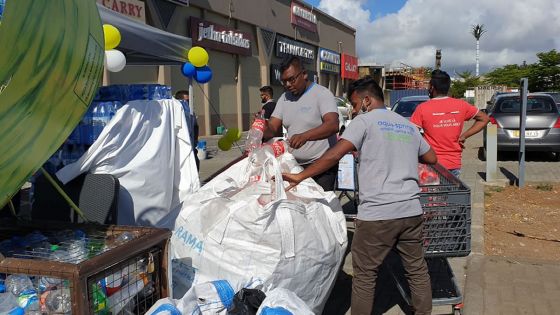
[344,112]
[543,123]
[406,105]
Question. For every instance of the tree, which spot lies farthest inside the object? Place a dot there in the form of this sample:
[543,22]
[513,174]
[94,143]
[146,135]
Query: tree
[477,31]
[508,75]
[545,74]
[466,81]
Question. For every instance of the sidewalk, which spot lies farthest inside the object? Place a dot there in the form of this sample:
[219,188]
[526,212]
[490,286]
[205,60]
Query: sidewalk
[498,285]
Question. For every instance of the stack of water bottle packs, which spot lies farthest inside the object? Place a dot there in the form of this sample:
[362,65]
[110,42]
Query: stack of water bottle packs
[38,273]
[104,106]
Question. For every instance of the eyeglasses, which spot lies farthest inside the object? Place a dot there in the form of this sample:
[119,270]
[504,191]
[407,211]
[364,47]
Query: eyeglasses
[291,80]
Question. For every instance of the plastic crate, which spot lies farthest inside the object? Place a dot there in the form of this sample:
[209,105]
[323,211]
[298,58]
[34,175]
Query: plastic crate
[129,277]
[447,216]
[447,230]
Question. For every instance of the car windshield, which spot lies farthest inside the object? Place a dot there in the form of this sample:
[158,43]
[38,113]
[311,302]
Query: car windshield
[534,104]
[406,108]
[555,96]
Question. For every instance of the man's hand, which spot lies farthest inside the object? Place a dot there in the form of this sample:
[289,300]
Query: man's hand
[297,141]
[462,140]
[293,179]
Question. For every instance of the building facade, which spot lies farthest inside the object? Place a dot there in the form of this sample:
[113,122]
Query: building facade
[246,41]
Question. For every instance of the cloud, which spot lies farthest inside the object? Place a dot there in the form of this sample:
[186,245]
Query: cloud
[516,31]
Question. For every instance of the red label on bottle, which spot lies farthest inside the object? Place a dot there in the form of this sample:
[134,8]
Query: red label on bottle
[278,148]
[258,124]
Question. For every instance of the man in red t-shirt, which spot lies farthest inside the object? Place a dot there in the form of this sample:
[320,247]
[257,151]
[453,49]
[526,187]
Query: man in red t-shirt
[442,119]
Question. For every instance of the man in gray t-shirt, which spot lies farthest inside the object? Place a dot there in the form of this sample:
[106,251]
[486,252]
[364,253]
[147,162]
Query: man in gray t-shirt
[389,213]
[308,112]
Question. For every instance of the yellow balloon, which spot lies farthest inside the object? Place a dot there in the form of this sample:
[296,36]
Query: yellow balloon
[224,144]
[233,134]
[198,56]
[112,36]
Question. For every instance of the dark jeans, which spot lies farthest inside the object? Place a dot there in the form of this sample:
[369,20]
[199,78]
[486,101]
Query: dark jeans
[326,179]
[371,243]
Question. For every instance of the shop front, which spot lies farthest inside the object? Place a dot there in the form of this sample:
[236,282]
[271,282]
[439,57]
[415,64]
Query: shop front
[349,70]
[329,68]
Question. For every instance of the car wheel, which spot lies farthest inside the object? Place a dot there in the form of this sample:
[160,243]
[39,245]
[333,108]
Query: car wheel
[556,157]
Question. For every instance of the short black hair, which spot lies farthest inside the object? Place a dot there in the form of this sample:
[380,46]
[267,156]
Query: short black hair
[369,85]
[291,61]
[179,94]
[268,90]
[440,81]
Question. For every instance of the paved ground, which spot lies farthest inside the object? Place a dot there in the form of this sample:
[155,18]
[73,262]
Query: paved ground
[490,285]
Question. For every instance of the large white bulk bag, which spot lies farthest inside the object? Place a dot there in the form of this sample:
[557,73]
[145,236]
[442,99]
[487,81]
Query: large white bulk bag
[237,231]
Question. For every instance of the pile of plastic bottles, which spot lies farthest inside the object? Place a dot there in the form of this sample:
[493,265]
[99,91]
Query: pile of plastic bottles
[28,294]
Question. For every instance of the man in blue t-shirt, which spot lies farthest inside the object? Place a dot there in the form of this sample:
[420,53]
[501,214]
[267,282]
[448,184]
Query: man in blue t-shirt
[389,214]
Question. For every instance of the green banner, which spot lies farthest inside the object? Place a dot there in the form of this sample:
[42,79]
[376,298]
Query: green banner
[51,64]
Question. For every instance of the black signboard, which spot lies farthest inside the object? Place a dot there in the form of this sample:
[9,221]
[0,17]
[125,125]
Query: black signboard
[288,47]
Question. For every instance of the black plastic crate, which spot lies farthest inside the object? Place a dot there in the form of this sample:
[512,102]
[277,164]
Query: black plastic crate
[447,230]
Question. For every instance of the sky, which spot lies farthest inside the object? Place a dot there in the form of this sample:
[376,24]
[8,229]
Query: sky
[410,31]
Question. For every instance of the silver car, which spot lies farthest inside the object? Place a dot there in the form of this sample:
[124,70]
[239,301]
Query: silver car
[405,106]
[543,123]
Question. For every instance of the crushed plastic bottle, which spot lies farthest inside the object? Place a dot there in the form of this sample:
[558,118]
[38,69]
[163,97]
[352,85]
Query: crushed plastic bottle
[22,287]
[9,304]
[59,301]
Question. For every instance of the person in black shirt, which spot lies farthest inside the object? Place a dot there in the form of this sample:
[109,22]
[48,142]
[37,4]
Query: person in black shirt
[268,102]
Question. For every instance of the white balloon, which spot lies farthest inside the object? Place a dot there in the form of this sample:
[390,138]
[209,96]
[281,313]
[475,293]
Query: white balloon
[114,60]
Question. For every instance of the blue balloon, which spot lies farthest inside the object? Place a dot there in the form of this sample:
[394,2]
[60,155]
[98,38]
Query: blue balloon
[203,74]
[188,70]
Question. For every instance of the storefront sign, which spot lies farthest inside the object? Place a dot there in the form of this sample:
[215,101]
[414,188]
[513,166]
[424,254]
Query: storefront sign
[329,56]
[329,61]
[286,46]
[275,75]
[131,8]
[303,17]
[218,37]
[349,67]
[329,67]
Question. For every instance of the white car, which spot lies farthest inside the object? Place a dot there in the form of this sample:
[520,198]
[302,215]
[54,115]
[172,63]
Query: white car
[344,112]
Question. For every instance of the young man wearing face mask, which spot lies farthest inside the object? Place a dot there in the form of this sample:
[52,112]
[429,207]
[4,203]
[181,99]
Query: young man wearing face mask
[442,119]
[389,214]
[308,112]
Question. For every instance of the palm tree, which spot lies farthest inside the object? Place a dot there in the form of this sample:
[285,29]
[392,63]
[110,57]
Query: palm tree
[477,31]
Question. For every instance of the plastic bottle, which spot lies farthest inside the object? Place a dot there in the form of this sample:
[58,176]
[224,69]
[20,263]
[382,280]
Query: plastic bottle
[96,121]
[99,300]
[85,125]
[9,304]
[77,251]
[22,287]
[258,156]
[59,301]
[255,135]
[119,300]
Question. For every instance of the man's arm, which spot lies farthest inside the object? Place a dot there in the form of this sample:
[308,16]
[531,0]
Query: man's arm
[481,120]
[325,162]
[273,127]
[328,128]
[429,157]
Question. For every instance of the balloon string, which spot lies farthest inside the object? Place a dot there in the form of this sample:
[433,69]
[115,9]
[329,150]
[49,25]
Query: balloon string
[217,114]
